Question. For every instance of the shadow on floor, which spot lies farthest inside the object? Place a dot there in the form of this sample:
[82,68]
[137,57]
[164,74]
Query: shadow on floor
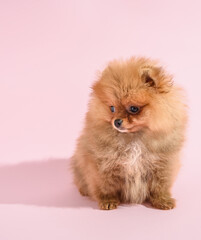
[42,183]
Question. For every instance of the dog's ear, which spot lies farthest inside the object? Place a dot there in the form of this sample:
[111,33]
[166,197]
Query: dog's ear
[106,87]
[97,88]
[157,78]
[103,92]
[146,78]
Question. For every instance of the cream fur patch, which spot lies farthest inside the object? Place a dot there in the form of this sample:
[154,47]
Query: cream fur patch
[134,155]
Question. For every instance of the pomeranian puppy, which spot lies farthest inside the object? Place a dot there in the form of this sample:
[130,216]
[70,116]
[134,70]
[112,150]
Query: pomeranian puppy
[129,149]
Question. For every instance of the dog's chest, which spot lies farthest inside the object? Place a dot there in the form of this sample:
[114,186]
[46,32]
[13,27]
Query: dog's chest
[128,168]
[134,167]
[132,156]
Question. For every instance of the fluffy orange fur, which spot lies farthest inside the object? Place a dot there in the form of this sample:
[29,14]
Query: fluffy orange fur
[137,160]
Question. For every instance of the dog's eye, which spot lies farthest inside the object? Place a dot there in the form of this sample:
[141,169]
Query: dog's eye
[134,109]
[112,108]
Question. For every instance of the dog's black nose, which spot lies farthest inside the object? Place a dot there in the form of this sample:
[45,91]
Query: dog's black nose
[118,122]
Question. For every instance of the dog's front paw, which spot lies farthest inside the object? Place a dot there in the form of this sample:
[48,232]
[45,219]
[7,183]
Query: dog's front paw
[164,203]
[108,204]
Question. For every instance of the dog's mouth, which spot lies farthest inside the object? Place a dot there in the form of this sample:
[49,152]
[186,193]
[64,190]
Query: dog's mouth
[122,129]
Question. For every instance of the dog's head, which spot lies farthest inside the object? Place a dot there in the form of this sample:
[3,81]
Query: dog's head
[131,94]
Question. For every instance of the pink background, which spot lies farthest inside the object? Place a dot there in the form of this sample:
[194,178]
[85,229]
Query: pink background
[50,51]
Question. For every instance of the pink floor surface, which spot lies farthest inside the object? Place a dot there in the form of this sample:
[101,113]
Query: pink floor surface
[49,53]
